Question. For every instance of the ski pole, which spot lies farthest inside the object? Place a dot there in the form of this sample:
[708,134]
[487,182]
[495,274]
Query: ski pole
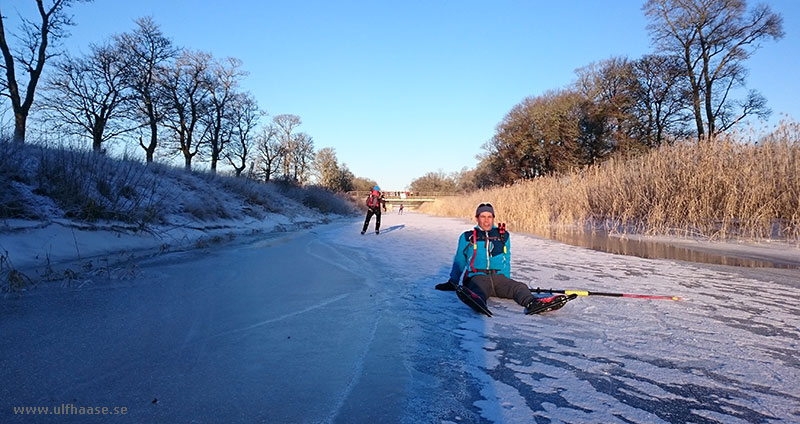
[588,293]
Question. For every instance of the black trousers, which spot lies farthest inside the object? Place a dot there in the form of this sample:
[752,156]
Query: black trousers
[377,213]
[498,285]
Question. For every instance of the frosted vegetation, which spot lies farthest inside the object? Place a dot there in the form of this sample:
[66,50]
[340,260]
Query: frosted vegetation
[42,183]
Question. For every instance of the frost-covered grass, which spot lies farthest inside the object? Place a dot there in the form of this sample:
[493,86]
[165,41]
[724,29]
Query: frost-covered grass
[318,198]
[11,279]
[41,182]
[63,211]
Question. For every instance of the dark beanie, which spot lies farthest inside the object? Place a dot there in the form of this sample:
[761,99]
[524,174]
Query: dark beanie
[484,208]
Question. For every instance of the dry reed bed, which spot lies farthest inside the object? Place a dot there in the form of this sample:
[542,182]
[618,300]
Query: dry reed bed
[718,190]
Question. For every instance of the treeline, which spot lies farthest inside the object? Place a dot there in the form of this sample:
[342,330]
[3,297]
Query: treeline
[139,87]
[624,107]
[616,106]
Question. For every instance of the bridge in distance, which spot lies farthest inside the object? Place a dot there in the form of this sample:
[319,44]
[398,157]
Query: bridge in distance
[409,199]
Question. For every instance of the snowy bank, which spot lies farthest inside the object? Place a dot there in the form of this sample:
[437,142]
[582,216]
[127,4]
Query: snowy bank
[66,209]
[34,245]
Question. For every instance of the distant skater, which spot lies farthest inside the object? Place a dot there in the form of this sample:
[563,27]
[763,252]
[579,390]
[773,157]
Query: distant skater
[400,211]
[375,201]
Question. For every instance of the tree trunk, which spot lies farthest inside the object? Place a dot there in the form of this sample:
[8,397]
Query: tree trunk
[267,171]
[151,148]
[20,119]
[709,111]
[97,135]
[659,135]
[707,90]
[698,116]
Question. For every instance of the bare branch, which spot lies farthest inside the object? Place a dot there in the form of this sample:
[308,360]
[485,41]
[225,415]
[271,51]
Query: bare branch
[30,56]
[713,38]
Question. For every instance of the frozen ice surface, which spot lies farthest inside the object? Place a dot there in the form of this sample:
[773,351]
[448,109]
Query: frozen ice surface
[327,325]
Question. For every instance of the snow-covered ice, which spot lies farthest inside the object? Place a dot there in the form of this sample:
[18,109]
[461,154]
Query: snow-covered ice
[327,325]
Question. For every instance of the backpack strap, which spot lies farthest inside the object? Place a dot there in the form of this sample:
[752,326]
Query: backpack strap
[474,249]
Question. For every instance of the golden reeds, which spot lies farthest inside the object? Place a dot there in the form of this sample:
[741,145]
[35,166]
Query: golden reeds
[723,189]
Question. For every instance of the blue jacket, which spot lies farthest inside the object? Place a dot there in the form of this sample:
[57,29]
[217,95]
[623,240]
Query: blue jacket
[491,250]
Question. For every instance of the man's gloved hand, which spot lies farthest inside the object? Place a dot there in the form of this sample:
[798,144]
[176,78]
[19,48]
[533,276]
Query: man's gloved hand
[446,286]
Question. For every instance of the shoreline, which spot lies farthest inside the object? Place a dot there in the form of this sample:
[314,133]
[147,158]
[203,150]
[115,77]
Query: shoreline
[749,254]
[773,250]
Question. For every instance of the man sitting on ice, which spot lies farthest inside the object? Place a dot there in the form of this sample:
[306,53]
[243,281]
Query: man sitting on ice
[485,254]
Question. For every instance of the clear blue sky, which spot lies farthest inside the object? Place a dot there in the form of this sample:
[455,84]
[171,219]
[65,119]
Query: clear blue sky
[406,87]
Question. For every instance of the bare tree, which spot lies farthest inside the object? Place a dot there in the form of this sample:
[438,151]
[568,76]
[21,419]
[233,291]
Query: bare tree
[285,125]
[538,136]
[86,96]
[608,122]
[330,173]
[30,56]
[302,156]
[363,184]
[326,167]
[466,180]
[245,115]
[661,99]
[146,51]
[346,179]
[434,181]
[187,90]
[713,38]
[270,152]
[225,77]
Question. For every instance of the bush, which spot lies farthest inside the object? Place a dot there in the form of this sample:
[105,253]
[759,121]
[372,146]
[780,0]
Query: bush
[318,198]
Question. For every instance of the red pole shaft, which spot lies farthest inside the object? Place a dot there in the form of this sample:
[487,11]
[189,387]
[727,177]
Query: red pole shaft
[645,296]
